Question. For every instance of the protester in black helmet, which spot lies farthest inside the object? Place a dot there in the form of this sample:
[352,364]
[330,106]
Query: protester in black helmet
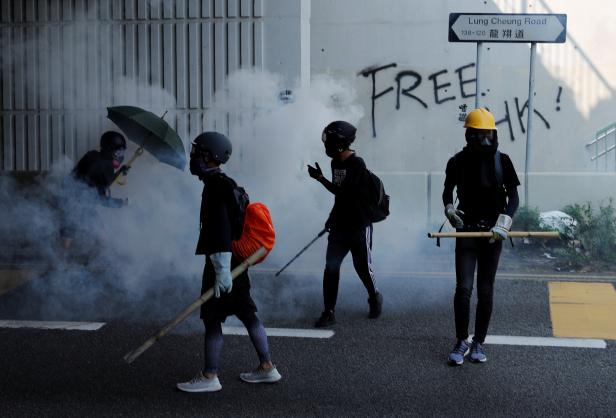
[219,226]
[99,169]
[486,184]
[350,228]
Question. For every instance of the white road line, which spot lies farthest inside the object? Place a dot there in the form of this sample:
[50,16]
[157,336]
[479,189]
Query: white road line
[545,341]
[283,332]
[72,326]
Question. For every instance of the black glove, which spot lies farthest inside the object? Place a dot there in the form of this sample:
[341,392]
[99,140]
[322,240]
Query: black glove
[315,173]
[124,169]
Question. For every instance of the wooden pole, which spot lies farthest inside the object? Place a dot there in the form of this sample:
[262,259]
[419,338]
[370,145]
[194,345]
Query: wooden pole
[130,357]
[512,234]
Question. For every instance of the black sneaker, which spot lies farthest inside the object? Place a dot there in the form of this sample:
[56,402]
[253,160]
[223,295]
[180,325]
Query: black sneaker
[327,318]
[376,305]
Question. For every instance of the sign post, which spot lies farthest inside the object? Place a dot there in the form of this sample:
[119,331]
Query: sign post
[510,27]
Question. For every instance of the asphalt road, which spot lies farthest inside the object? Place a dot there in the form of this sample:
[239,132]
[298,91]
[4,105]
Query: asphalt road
[392,366]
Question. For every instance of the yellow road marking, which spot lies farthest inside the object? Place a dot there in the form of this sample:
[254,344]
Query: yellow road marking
[10,279]
[583,310]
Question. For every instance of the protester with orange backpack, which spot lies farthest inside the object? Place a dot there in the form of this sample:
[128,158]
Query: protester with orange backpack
[224,208]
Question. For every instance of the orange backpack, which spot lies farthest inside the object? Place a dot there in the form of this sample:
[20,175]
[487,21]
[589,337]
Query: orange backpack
[258,232]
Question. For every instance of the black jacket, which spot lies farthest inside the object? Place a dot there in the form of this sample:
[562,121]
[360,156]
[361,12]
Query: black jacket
[480,195]
[96,170]
[349,177]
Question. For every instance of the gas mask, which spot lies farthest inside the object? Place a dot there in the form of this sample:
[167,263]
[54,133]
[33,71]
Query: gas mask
[118,154]
[483,142]
[199,164]
[118,157]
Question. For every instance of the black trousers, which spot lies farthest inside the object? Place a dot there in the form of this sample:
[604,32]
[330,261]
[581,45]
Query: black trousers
[339,243]
[471,252]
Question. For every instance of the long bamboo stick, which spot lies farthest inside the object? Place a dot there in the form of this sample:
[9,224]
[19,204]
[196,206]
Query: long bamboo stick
[130,357]
[512,234]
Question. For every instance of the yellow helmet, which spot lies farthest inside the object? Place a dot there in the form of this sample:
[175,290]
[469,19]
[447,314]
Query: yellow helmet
[480,119]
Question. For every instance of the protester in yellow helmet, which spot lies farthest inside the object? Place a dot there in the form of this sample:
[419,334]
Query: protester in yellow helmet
[486,186]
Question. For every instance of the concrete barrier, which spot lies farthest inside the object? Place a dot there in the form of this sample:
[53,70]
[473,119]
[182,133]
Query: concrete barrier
[416,196]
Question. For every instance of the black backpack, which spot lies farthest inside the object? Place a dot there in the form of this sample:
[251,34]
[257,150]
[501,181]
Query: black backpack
[377,201]
[237,212]
[242,200]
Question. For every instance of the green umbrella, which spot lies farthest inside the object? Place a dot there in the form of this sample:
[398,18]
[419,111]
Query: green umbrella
[151,133]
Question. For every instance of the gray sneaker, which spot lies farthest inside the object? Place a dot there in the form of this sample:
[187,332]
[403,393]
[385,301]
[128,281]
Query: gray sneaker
[200,383]
[261,376]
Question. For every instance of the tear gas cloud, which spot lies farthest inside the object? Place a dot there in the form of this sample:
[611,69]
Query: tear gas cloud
[139,260]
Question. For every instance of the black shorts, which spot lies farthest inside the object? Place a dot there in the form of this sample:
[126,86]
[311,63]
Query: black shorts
[238,302]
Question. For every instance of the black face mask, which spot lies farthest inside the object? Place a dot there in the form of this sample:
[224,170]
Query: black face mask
[333,150]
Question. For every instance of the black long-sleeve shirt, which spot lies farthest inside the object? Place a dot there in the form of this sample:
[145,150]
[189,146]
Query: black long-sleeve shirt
[481,198]
[219,220]
[348,180]
[219,210]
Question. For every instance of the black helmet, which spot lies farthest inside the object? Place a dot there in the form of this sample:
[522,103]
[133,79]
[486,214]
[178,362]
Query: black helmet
[339,134]
[111,141]
[214,145]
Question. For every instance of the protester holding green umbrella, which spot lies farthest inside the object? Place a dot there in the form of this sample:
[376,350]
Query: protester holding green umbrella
[98,169]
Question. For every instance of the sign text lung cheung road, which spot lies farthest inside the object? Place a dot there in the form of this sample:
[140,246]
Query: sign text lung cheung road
[507,27]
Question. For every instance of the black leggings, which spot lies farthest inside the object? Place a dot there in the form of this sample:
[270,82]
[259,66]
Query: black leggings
[471,252]
[359,243]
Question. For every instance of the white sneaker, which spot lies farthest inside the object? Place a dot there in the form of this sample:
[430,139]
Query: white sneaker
[200,383]
[260,375]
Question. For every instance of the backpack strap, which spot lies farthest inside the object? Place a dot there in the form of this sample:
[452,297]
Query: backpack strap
[498,171]
[498,168]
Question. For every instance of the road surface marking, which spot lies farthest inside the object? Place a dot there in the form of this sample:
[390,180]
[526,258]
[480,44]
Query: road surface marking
[545,341]
[283,332]
[450,275]
[72,326]
[583,310]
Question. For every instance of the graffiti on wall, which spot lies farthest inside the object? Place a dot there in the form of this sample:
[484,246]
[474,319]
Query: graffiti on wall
[406,82]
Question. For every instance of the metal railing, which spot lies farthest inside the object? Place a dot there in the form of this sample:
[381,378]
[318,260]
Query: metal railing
[602,147]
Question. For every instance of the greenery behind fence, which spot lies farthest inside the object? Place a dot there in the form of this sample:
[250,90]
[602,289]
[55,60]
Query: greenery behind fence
[591,241]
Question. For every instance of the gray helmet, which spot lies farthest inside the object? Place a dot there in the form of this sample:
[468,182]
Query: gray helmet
[214,145]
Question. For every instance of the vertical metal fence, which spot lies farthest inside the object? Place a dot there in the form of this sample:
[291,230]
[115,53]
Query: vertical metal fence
[64,61]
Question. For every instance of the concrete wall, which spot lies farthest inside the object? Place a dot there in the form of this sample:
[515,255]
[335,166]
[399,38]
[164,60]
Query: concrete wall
[424,81]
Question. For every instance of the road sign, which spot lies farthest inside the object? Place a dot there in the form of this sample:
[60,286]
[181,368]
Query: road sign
[507,27]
